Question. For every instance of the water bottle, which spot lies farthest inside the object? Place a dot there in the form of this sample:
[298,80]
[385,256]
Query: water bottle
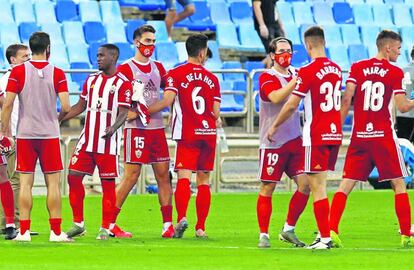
[224,148]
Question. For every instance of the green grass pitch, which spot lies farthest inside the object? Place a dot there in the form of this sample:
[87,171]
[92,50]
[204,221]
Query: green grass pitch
[368,231]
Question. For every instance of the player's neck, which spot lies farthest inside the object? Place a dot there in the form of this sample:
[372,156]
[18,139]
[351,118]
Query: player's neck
[381,56]
[281,70]
[39,57]
[109,72]
[193,60]
[317,53]
[141,59]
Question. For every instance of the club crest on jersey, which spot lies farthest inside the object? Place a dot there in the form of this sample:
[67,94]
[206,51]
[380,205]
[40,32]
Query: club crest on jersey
[128,95]
[74,160]
[270,170]
[298,83]
[112,90]
[99,104]
[138,153]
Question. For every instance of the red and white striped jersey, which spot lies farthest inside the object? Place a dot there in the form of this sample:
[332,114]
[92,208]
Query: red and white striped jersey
[104,95]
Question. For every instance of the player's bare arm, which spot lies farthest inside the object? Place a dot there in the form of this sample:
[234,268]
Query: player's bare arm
[216,110]
[75,110]
[6,113]
[119,121]
[167,101]
[287,110]
[2,101]
[347,99]
[280,94]
[403,104]
[65,105]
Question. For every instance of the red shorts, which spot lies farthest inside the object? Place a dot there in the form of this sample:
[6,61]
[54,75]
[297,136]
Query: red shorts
[85,162]
[288,158]
[145,146]
[46,150]
[197,155]
[320,158]
[363,156]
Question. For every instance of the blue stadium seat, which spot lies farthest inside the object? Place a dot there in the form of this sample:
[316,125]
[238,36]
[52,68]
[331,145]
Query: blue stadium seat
[94,32]
[45,12]
[285,12]
[73,32]
[303,13]
[369,35]
[393,1]
[3,61]
[302,30]
[292,33]
[374,2]
[339,54]
[131,26]
[59,55]
[240,86]
[148,5]
[402,15]
[93,52]
[226,36]
[26,29]
[322,13]
[249,39]
[9,34]
[54,31]
[78,52]
[372,50]
[232,76]
[202,18]
[220,12]
[347,123]
[332,35]
[182,52]
[357,52]
[229,104]
[111,12]
[125,51]
[6,13]
[214,48]
[250,65]
[167,54]
[407,34]
[161,34]
[226,86]
[115,32]
[241,12]
[342,13]
[300,56]
[23,14]
[66,11]
[382,15]
[350,34]
[363,14]
[79,78]
[353,2]
[89,11]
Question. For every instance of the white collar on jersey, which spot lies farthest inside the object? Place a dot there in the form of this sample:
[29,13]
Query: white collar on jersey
[141,63]
[283,75]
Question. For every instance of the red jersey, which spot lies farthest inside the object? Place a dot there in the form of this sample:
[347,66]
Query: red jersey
[196,89]
[103,96]
[319,83]
[377,81]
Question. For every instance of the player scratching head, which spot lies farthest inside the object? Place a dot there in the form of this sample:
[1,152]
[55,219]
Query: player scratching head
[39,43]
[389,45]
[144,40]
[108,55]
[315,42]
[197,49]
[17,54]
[280,51]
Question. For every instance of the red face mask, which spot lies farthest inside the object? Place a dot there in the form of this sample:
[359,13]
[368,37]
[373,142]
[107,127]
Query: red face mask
[146,50]
[283,59]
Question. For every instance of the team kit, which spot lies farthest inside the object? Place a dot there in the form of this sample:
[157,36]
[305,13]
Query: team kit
[124,102]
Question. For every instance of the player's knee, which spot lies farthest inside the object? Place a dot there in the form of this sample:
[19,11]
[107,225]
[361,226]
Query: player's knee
[304,188]
[399,186]
[267,189]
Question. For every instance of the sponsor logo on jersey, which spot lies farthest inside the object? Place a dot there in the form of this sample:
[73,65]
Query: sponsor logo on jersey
[370,127]
[205,124]
[270,170]
[318,167]
[179,165]
[333,128]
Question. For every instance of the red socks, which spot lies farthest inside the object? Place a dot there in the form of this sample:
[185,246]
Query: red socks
[182,196]
[296,206]
[7,201]
[403,211]
[321,211]
[115,214]
[76,196]
[264,211]
[166,212]
[108,201]
[203,201]
[24,226]
[337,209]
[55,225]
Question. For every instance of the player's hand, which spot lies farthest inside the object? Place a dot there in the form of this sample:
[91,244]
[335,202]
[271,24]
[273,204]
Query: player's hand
[137,90]
[264,32]
[109,131]
[132,115]
[270,133]
[143,113]
[6,145]
[219,122]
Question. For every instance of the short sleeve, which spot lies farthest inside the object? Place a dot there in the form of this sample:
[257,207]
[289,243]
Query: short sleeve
[397,82]
[302,83]
[60,82]
[124,94]
[268,84]
[353,77]
[162,72]
[16,79]
[126,71]
[171,83]
[217,94]
[84,94]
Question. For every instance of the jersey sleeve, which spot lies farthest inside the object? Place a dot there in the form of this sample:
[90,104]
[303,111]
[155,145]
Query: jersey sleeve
[302,83]
[124,94]
[267,85]
[216,94]
[16,79]
[126,70]
[163,73]
[352,78]
[84,94]
[60,82]
[397,82]
[171,82]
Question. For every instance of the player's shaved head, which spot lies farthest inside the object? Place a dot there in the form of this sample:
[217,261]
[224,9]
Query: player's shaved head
[143,29]
[273,44]
[195,43]
[39,42]
[315,36]
[385,37]
[113,50]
